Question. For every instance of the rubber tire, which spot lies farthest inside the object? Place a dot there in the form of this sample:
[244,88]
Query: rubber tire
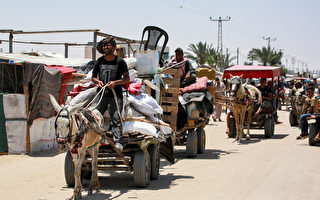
[201,134]
[154,152]
[141,169]
[268,127]
[192,143]
[313,131]
[272,127]
[232,128]
[69,170]
[292,119]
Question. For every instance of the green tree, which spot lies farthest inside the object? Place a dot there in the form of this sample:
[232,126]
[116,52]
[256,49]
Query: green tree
[201,51]
[266,56]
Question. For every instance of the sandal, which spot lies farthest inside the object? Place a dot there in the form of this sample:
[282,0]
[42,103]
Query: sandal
[317,138]
[302,136]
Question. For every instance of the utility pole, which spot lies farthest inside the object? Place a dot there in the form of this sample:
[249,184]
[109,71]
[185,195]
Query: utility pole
[220,20]
[269,39]
[238,56]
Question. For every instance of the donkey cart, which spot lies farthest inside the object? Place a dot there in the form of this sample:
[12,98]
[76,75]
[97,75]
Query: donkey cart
[140,155]
[188,120]
[264,120]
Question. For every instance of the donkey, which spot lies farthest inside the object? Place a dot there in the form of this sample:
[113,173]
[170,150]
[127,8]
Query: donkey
[244,97]
[72,129]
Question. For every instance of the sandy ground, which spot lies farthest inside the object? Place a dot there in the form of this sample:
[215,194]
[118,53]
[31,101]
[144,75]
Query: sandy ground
[277,168]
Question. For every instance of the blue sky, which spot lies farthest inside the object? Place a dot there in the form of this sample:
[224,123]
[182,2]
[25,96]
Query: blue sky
[294,23]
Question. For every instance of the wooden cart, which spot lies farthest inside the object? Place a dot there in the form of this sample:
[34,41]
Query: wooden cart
[192,135]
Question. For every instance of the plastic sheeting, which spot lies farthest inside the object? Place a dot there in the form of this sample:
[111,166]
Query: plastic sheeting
[42,134]
[14,106]
[147,61]
[16,135]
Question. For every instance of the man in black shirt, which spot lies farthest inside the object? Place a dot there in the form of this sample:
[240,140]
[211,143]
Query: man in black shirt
[112,71]
[266,94]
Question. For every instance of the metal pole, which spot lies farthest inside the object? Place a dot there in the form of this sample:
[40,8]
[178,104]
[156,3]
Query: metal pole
[238,56]
[94,47]
[66,50]
[10,42]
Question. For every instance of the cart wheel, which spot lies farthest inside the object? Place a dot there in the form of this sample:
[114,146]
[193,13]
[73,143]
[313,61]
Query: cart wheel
[192,143]
[155,161]
[141,169]
[201,134]
[69,169]
[272,127]
[232,128]
[292,119]
[312,134]
[268,127]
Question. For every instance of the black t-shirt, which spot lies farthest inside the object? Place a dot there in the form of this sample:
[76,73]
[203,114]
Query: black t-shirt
[110,71]
[266,91]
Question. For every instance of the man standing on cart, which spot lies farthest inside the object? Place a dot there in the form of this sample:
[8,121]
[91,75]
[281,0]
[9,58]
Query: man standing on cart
[112,71]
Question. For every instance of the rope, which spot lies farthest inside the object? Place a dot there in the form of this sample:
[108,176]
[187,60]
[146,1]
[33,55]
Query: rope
[102,90]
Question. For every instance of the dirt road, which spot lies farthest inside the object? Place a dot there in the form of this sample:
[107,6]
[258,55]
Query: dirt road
[277,168]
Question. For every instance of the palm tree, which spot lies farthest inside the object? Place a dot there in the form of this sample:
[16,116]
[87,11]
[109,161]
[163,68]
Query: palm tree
[266,56]
[201,52]
[227,61]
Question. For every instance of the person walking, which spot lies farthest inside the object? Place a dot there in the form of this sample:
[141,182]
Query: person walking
[219,92]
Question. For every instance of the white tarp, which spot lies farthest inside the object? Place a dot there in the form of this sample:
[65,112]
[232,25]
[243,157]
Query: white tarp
[42,134]
[68,62]
[14,106]
[16,136]
[16,122]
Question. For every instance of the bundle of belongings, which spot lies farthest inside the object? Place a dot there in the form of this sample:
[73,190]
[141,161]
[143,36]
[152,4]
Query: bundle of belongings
[140,113]
[196,102]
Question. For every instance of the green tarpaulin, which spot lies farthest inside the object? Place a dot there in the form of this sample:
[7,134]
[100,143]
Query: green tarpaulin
[3,133]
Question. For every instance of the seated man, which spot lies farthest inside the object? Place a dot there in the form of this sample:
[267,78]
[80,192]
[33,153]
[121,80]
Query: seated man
[266,93]
[304,118]
[188,75]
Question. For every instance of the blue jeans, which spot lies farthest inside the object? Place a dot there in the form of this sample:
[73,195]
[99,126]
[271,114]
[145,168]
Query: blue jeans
[304,123]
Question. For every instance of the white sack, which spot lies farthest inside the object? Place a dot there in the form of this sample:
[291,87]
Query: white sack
[14,106]
[147,61]
[132,74]
[141,127]
[131,62]
[145,104]
[165,129]
[83,96]
[16,136]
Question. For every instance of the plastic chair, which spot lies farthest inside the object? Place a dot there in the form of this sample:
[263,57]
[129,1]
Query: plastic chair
[154,35]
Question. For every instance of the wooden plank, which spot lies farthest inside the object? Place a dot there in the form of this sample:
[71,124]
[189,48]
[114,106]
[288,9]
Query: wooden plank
[170,109]
[175,82]
[26,93]
[169,100]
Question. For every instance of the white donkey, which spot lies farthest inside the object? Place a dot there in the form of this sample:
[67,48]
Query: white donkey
[71,129]
[244,97]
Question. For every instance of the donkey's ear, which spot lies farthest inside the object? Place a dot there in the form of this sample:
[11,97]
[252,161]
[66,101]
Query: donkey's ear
[231,76]
[241,76]
[54,102]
